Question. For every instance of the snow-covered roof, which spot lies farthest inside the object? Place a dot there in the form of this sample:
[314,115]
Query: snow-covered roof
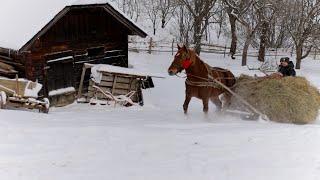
[96,71]
[21,20]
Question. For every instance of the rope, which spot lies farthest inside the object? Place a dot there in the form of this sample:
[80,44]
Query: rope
[182,76]
[202,84]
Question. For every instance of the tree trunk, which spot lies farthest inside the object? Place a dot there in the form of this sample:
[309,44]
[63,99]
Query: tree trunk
[198,46]
[234,38]
[246,48]
[163,23]
[154,27]
[299,52]
[245,52]
[181,25]
[263,42]
[197,36]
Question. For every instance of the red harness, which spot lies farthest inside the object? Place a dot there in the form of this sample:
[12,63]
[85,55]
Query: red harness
[186,63]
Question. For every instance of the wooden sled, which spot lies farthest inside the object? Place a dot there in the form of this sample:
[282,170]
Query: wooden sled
[12,98]
[124,100]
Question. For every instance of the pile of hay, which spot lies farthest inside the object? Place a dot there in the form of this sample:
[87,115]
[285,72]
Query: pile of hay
[287,100]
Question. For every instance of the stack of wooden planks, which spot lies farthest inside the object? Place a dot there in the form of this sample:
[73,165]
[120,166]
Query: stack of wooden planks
[7,70]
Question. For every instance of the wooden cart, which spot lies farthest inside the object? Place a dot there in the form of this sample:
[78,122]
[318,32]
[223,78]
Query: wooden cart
[12,94]
[115,81]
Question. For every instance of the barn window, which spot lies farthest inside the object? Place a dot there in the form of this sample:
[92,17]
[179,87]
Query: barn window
[95,51]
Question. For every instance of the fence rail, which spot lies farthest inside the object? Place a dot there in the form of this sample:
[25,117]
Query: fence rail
[170,47]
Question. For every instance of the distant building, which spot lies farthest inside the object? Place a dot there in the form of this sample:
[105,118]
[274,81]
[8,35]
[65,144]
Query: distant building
[51,45]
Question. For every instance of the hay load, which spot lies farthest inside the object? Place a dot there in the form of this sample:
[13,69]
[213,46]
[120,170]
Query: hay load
[286,100]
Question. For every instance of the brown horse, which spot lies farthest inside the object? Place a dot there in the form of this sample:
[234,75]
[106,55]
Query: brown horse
[200,78]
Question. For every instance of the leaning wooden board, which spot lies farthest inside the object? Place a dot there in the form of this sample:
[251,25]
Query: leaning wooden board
[9,86]
[117,84]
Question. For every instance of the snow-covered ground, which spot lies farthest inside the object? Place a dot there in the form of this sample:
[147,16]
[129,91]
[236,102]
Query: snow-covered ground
[157,141]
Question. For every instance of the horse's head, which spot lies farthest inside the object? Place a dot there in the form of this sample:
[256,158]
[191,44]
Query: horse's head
[182,60]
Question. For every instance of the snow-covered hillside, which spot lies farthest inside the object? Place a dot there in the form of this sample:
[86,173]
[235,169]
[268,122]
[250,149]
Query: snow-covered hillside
[157,141]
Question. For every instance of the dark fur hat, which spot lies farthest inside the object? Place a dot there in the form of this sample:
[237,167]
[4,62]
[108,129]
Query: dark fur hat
[285,59]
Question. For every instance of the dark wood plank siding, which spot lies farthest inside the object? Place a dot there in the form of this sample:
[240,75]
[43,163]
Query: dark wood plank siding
[90,34]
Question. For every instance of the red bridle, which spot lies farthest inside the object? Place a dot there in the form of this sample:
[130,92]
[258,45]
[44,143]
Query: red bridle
[186,63]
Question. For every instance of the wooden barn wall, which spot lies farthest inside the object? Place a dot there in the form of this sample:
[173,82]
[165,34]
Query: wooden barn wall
[79,30]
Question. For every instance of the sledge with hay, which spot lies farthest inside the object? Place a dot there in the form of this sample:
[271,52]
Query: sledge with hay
[285,99]
[21,93]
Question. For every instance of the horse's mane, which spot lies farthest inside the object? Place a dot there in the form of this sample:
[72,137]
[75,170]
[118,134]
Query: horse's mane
[194,57]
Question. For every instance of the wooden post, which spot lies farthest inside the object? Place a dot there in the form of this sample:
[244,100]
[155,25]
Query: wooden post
[315,54]
[17,85]
[150,46]
[114,84]
[225,49]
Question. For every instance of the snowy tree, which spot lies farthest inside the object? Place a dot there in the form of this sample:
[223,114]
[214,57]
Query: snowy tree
[152,9]
[132,8]
[266,13]
[167,8]
[251,22]
[303,25]
[235,9]
[184,23]
[201,12]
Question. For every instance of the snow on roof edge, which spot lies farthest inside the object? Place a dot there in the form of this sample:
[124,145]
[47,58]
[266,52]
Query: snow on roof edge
[17,40]
[113,5]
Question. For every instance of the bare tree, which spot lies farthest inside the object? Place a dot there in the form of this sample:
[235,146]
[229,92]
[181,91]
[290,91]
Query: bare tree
[167,8]
[303,25]
[152,10]
[251,22]
[184,24]
[266,13]
[131,8]
[278,35]
[201,11]
[235,9]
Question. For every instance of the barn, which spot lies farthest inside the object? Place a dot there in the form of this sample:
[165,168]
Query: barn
[49,41]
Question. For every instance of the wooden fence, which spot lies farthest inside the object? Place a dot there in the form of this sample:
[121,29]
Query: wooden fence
[152,46]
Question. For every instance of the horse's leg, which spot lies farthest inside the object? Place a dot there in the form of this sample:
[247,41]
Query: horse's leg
[227,100]
[186,103]
[217,102]
[205,102]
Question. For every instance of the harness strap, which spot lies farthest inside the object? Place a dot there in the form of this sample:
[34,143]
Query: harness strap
[202,84]
[210,75]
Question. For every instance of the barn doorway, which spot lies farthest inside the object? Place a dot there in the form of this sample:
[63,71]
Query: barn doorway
[59,71]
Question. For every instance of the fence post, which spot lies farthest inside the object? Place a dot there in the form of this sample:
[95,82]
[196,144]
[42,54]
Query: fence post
[172,46]
[225,49]
[315,53]
[150,46]
[291,51]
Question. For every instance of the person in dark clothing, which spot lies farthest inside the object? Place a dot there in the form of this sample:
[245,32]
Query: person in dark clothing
[286,68]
